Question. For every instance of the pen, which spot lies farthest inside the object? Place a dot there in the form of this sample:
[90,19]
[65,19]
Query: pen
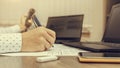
[37,22]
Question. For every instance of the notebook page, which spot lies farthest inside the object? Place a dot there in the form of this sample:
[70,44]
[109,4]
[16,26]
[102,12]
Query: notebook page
[57,50]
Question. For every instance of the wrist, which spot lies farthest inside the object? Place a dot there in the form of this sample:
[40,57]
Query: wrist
[23,41]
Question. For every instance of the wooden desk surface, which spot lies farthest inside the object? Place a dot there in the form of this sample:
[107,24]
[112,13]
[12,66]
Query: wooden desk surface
[63,62]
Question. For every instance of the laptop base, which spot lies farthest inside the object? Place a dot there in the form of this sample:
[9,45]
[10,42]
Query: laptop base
[98,47]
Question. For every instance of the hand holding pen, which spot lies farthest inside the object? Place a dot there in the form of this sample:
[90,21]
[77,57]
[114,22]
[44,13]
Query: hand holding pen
[37,23]
[38,39]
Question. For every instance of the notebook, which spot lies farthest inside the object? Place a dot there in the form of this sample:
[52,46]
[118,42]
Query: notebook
[109,43]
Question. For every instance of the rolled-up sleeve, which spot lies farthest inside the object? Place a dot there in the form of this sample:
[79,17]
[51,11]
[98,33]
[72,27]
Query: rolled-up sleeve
[10,39]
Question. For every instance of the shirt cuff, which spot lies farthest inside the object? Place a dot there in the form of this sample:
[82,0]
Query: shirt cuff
[11,29]
[10,42]
[14,29]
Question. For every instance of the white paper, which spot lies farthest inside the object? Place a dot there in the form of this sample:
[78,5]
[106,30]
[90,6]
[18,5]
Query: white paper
[57,50]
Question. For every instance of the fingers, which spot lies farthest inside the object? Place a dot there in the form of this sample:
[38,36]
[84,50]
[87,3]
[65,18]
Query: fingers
[51,33]
[49,38]
[48,34]
[46,44]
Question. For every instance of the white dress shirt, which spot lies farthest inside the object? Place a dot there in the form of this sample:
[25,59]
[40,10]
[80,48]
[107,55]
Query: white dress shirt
[10,39]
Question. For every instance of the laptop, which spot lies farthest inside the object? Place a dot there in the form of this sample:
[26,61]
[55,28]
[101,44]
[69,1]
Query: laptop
[111,38]
[67,28]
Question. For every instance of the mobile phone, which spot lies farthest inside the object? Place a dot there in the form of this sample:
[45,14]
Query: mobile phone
[99,57]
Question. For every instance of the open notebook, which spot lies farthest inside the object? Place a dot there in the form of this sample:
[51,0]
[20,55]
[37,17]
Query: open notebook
[57,50]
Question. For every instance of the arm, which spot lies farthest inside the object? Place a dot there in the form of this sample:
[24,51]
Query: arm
[38,39]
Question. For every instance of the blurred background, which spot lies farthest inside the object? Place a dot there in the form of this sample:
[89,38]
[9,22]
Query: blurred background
[94,13]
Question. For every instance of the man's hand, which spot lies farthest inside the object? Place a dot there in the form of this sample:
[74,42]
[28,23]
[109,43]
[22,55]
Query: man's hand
[38,39]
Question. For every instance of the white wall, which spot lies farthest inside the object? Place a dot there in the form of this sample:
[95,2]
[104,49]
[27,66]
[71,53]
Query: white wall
[12,10]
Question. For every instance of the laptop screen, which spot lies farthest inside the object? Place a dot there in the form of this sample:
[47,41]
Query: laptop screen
[66,27]
[112,32]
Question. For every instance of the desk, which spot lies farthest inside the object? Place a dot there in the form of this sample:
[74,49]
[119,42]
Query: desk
[63,62]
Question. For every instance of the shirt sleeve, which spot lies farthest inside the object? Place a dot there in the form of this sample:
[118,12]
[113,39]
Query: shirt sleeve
[11,29]
[10,42]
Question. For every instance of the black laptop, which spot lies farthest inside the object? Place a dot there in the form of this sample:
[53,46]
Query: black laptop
[68,28]
[109,43]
